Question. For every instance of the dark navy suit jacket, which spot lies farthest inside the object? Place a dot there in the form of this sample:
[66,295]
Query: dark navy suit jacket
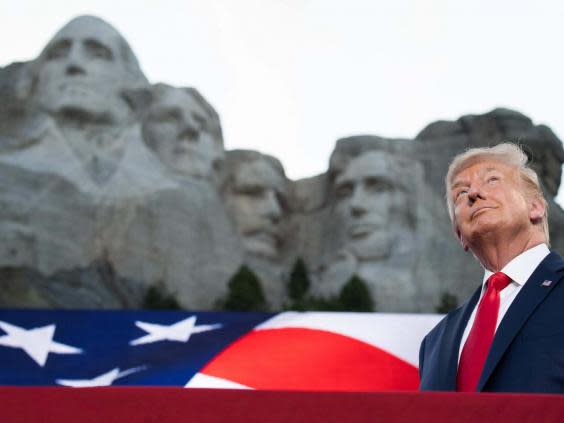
[527,353]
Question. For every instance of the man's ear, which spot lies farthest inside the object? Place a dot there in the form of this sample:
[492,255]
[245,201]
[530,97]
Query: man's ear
[537,210]
[25,82]
[138,99]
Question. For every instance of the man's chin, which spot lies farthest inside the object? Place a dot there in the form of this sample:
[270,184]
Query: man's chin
[189,165]
[262,245]
[375,247]
[482,227]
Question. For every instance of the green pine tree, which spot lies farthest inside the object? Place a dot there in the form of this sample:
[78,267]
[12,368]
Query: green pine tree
[324,304]
[297,288]
[355,296]
[447,303]
[299,281]
[245,292]
[156,298]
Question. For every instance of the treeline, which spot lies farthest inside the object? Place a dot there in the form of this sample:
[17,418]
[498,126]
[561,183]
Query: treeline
[245,293]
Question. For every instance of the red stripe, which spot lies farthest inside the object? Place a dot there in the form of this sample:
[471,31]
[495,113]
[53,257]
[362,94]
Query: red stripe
[294,358]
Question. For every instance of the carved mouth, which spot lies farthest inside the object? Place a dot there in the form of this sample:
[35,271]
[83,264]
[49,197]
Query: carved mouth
[76,88]
[183,149]
[265,240]
[360,230]
[268,235]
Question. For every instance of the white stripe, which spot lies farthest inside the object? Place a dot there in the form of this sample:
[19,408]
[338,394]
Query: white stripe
[398,334]
[201,380]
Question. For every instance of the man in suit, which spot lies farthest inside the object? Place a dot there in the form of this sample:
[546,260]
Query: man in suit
[509,337]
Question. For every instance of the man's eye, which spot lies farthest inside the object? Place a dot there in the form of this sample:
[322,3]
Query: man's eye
[460,193]
[168,116]
[252,191]
[59,50]
[493,179]
[378,185]
[201,122]
[344,191]
[98,50]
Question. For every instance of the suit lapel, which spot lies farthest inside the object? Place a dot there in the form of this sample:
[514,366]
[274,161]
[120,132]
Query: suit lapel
[451,343]
[530,296]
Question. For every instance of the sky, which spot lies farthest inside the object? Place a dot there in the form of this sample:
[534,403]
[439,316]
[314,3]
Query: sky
[290,77]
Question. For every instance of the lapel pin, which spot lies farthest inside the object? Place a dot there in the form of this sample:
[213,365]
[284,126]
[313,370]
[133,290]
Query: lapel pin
[546,283]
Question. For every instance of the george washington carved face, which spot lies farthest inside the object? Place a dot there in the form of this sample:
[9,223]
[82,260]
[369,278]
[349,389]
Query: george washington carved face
[84,70]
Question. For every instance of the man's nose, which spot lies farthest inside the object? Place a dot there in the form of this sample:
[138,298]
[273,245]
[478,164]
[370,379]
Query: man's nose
[474,193]
[358,202]
[75,62]
[188,130]
[271,206]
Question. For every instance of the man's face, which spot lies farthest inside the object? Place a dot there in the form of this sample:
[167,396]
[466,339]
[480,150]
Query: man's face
[366,197]
[81,71]
[256,204]
[178,129]
[489,198]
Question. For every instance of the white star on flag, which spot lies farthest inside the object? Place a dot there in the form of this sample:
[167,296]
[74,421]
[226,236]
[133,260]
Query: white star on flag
[179,332]
[36,342]
[105,379]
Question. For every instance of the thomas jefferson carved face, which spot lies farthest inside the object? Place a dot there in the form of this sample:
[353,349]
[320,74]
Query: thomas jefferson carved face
[367,203]
[179,129]
[255,199]
[82,72]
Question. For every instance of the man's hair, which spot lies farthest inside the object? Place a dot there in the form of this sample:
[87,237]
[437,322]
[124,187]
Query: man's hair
[404,170]
[212,124]
[508,154]
[136,78]
[350,148]
[236,159]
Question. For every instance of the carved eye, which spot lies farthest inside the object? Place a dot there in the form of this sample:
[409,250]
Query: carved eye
[201,122]
[344,190]
[374,184]
[59,50]
[252,191]
[165,116]
[97,50]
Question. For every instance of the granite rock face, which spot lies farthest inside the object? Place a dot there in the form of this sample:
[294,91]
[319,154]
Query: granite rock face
[81,186]
[111,185]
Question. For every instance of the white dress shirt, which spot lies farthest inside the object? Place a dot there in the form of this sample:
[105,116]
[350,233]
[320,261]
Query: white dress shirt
[519,270]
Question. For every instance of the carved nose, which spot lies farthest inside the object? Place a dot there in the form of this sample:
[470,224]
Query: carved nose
[74,59]
[189,132]
[357,205]
[357,211]
[74,69]
[271,207]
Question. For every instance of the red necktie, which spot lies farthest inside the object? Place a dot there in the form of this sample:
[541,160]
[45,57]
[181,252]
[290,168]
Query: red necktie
[478,344]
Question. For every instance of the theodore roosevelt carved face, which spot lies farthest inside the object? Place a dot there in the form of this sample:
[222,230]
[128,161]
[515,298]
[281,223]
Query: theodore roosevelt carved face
[255,197]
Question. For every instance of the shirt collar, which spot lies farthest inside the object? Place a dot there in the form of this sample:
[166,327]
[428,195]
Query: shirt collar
[522,267]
